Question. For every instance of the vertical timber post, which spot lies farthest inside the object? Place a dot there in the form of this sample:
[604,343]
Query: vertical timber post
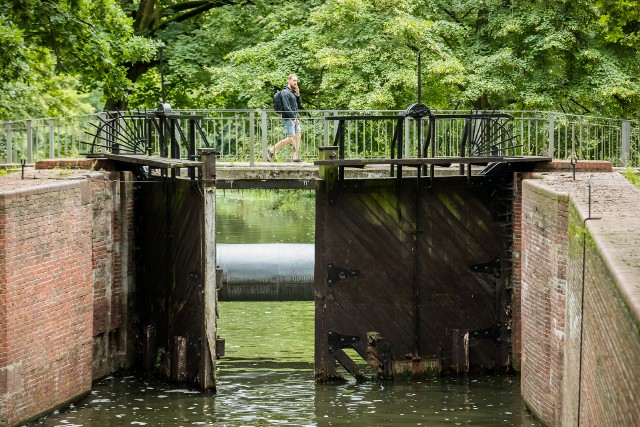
[179,359]
[326,172]
[207,372]
[460,350]
[149,348]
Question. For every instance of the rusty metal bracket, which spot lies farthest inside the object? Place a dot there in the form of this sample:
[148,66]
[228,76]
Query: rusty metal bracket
[336,340]
[491,267]
[335,273]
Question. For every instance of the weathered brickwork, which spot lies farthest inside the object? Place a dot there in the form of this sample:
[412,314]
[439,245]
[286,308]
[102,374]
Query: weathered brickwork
[543,275]
[112,280]
[516,250]
[572,368]
[46,317]
[64,286]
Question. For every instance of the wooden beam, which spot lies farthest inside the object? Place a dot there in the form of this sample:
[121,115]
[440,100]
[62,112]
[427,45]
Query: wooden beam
[152,161]
[479,160]
[267,184]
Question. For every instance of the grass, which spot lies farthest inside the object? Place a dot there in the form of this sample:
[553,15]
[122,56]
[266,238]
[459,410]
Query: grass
[632,176]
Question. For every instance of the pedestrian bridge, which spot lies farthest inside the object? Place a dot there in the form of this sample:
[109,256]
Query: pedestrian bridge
[242,136]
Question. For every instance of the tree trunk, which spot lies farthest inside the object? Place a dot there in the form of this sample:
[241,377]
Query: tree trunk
[134,71]
[482,103]
[150,17]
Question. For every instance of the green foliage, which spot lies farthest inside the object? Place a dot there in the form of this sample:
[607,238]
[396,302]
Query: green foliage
[348,54]
[356,54]
[52,51]
[621,20]
[632,176]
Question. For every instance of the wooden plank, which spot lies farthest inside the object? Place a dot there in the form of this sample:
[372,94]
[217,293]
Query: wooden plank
[415,162]
[370,225]
[170,280]
[152,161]
[267,184]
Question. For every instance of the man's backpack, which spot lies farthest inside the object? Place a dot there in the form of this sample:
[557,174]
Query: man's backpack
[277,102]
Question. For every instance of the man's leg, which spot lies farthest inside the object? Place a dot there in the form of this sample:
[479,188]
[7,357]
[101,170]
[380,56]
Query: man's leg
[296,146]
[282,143]
[296,142]
[289,129]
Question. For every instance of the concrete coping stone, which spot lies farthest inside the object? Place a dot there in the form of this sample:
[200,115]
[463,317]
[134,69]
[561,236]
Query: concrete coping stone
[43,181]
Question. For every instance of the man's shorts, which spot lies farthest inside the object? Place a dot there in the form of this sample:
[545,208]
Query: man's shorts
[291,128]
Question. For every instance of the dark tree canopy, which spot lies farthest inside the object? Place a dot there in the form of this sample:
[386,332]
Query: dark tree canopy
[573,55]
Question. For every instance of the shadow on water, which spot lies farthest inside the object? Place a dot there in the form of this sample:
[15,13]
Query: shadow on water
[266,375]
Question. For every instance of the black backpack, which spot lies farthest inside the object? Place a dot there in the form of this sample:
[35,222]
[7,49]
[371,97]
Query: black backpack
[277,102]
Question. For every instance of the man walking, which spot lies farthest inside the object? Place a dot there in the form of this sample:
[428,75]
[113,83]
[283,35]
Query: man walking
[291,104]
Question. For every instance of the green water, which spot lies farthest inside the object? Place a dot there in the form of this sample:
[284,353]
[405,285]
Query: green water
[266,379]
[264,216]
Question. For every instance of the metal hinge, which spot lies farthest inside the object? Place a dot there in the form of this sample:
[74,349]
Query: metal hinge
[335,273]
[491,267]
[336,340]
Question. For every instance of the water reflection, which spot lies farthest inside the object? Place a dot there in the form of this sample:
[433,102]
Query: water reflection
[265,216]
[266,379]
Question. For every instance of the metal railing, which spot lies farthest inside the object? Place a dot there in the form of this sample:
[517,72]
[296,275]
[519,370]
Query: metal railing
[244,135]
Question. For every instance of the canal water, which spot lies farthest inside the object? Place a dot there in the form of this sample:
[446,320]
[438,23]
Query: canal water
[266,375]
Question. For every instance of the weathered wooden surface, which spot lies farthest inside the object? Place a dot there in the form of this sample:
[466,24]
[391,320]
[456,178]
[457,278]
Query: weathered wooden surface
[406,255]
[170,279]
[151,161]
[476,160]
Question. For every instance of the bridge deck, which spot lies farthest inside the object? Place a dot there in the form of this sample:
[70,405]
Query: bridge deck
[437,161]
[283,175]
[152,161]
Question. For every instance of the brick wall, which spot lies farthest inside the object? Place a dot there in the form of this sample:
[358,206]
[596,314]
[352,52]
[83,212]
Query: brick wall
[516,249]
[543,279]
[113,273]
[607,386]
[556,386]
[64,288]
[46,306]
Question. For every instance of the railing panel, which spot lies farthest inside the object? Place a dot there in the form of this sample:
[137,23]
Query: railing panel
[237,137]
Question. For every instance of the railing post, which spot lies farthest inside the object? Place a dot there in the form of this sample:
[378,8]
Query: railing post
[9,144]
[407,141]
[265,141]
[52,141]
[252,138]
[626,142]
[104,134]
[29,142]
[551,135]
[325,128]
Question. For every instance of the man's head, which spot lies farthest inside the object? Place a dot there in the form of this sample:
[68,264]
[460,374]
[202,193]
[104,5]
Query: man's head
[292,81]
